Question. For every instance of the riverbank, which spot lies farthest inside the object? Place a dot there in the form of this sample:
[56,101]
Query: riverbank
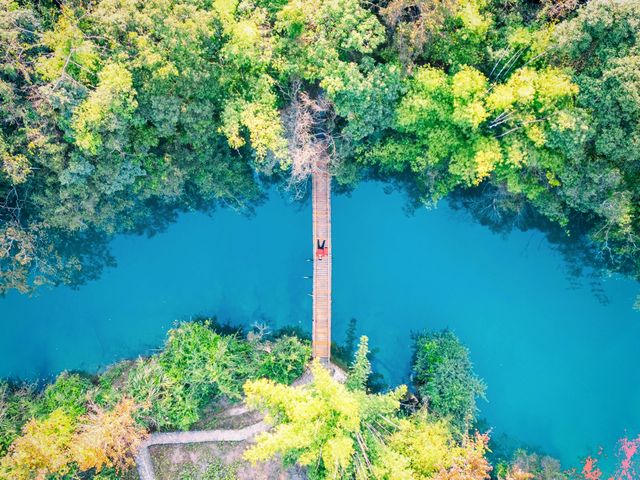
[95,426]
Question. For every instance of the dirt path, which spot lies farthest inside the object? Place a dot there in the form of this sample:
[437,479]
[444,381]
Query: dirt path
[145,464]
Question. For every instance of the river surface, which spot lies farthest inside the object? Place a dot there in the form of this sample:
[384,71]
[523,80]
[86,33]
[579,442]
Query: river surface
[559,355]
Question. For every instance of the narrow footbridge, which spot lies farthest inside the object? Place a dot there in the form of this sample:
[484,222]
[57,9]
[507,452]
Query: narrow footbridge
[321,192]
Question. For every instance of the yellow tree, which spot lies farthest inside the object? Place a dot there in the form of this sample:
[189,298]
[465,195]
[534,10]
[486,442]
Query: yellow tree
[417,449]
[321,425]
[420,448]
[43,448]
[108,439]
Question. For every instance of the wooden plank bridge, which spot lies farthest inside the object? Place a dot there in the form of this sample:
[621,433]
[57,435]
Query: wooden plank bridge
[321,192]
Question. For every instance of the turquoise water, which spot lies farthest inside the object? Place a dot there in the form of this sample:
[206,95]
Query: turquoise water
[560,364]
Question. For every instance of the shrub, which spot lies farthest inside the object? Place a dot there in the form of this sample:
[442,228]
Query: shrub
[110,384]
[197,365]
[164,403]
[285,360]
[17,406]
[108,439]
[68,392]
[42,449]
[63,445]
[205,361]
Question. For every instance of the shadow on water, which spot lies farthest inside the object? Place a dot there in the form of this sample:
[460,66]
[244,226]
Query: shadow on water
[342,354]
[78,257]
[584,260]
[89,251]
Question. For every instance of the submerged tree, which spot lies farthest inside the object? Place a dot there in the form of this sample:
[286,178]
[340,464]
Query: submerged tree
[525,465]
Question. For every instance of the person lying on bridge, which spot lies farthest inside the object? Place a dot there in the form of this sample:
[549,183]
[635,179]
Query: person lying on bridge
[321,250]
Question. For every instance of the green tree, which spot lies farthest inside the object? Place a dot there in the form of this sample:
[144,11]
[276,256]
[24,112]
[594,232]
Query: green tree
[284,359]
[460,129]
[601,177]
[115,116]
[360,368]
[444,378]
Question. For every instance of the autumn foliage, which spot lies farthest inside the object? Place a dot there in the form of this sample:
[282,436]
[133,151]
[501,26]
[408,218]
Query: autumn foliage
[43,448]
[626,468]
[59,443]
[470,463]
[108,438]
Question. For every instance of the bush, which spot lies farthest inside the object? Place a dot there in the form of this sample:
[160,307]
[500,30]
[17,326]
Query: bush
[42,449]
[285,360]
[444,378]
[164,402]
[205,361]
[17,406]
[110,383]
[63,446]
[198,364]
[69,392]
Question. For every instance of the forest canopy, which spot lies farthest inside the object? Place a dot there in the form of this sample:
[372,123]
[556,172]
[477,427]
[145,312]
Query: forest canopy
[115,115]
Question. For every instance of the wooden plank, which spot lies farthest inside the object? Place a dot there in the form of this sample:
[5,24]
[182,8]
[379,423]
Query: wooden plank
[321,204]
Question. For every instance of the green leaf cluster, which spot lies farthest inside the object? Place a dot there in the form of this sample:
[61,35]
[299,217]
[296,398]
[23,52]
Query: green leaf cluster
[171,389]
[199,365]
[443,377]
